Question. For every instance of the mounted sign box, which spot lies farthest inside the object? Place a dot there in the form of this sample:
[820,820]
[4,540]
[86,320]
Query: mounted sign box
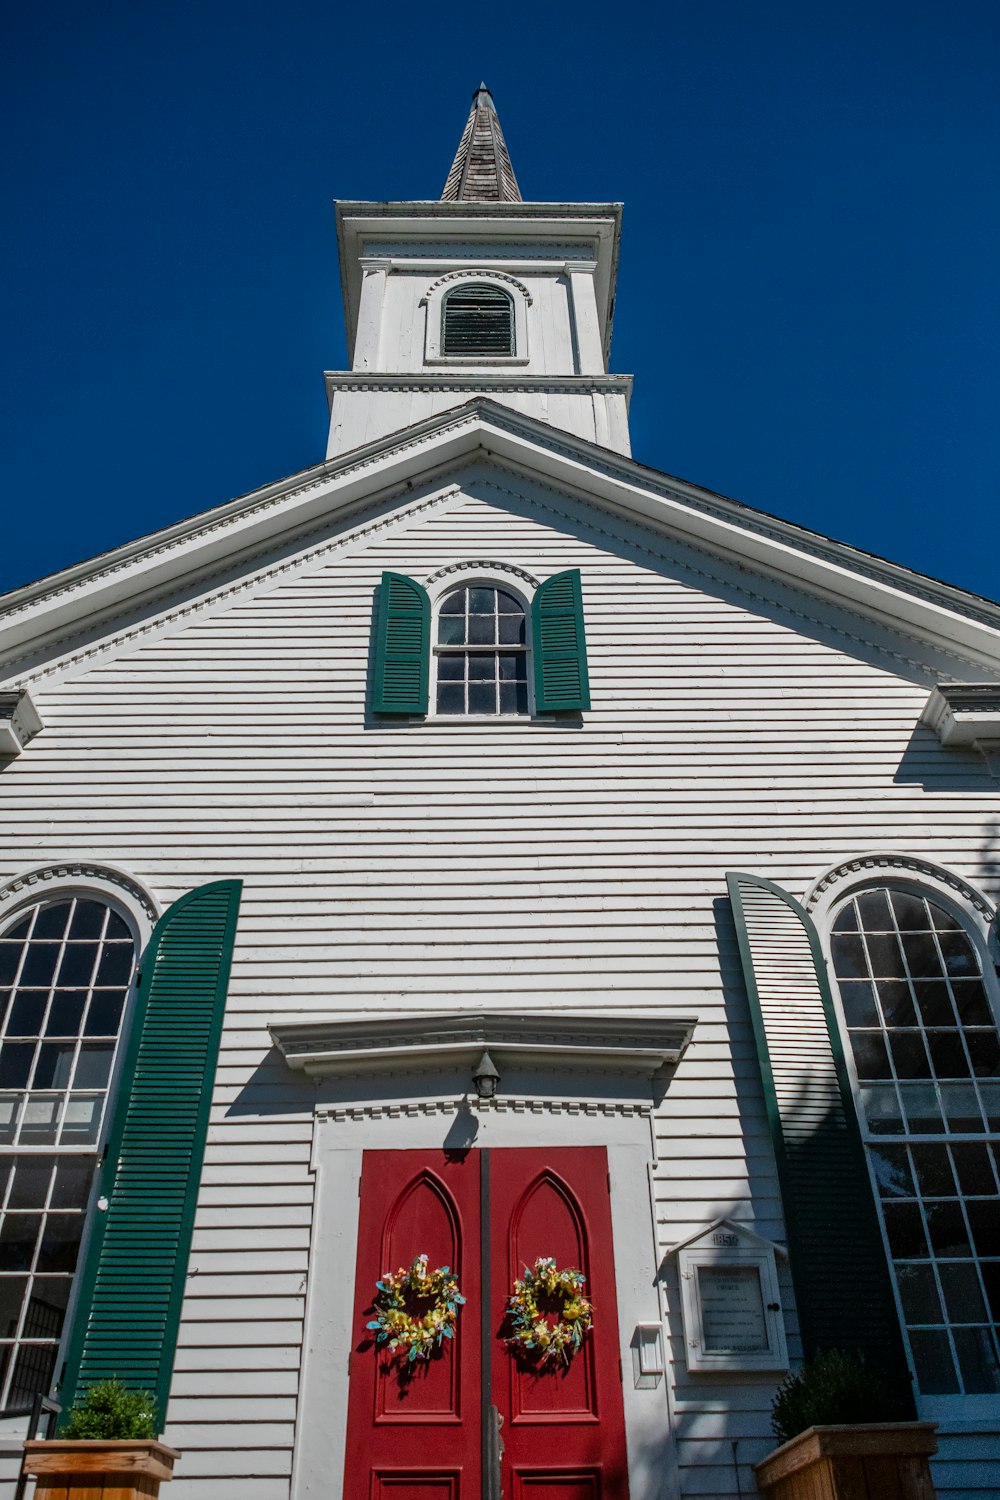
[730,1303]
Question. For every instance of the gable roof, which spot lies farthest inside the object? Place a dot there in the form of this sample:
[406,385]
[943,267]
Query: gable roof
[38,616]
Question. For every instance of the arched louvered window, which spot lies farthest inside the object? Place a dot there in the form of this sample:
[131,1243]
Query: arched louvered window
[477,319]
[65,970]
[926,1052]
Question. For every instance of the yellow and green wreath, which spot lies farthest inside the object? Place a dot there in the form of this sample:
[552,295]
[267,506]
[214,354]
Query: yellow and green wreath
[397,1328]
[533,1332]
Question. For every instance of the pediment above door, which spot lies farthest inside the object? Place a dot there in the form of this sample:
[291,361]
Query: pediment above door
[539,1055]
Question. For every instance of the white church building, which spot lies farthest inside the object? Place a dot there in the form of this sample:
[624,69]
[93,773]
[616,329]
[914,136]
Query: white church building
[482,846]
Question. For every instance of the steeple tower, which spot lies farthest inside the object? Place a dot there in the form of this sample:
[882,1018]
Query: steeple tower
[482,169]
[478,294]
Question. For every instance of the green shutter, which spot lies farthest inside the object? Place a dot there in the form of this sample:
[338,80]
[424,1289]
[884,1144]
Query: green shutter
[836,1254]
[402,647]
[132,1283]
[558,645]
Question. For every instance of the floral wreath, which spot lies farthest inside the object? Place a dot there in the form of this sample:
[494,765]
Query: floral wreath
[399,1329]
[532,1330]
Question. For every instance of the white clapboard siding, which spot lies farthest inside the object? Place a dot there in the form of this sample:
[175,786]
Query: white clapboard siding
[736,724]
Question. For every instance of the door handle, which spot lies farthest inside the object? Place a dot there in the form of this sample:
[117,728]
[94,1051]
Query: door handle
[493,1479]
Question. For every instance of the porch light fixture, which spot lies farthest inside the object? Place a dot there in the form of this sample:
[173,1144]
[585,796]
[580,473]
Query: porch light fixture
[486,1078]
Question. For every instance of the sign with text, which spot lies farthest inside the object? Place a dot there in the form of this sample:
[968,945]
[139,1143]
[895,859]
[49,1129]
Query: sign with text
[732,1310]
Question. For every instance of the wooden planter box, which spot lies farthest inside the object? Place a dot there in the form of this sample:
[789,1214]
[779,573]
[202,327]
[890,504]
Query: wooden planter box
[68,1468]
[881,1461]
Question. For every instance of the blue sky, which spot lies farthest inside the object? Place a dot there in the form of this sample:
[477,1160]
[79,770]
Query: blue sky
[808,295]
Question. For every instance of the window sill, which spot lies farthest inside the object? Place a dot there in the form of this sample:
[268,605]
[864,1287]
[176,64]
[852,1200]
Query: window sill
[489,360]
[475,721]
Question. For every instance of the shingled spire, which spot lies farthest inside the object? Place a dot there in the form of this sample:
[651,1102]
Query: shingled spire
[482,168]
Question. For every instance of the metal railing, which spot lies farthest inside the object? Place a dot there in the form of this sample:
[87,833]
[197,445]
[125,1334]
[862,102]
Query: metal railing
[41,1406]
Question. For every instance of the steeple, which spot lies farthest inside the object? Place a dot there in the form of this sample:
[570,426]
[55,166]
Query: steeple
[481,169]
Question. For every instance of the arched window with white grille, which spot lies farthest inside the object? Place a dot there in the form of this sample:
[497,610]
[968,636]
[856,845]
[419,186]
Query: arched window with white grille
[919,1014]
[66,966]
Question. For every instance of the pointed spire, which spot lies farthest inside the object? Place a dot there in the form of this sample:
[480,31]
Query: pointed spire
[482,168]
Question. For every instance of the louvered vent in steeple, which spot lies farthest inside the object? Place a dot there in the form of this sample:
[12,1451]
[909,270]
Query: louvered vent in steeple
[478,320]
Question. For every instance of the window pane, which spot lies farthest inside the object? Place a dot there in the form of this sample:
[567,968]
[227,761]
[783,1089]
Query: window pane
[990,1270]
[870,1056]
[105,1013]
[482,668]
[961,1108]
[512,630]
[451,668]
[977,1360]
[897,1002]
[82,1120]
[60,1242]
[984,1219]
[55,1062]
[88,921]
[882,1110]
[910,912]
[26,1013]
[971,1003]
[908,1055]
[919,1294]
[947,1054]
[921,1108]
[12,1290]
[15,1063]
[959,958]
[507,604]
[65,1013]
[873,911]
[451,631]
[847,920]
[947,1230]
[482,630]
[934,1003]
[892,1171]
[886,959]
[93,1067]
[30,1186]
[51,920]
[859,1003]
[450,699]
[32,1373]
[932,1357]
[77,967]
[962,1294]
[454,604]
[115,966]
[482,601]
[18,1234]
[39,963]
[984,1049]
[906,1231]
[849,957]
[921,955]
[10,961]
[973,1167]
[72,1184]
[933,1170]
[40,1119]
[482,698]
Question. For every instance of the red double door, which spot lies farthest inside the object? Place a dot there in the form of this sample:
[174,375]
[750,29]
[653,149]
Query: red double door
[475,1421]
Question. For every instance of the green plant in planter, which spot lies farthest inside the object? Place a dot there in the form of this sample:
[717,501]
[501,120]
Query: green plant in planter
[111,1411]
[836,1387]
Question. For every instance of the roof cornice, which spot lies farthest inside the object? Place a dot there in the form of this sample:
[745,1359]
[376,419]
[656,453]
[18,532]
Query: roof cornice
[110,585]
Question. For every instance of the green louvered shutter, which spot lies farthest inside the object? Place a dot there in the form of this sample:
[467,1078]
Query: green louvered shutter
[132,1283]
[837,1259]
[402,647]
[558,644]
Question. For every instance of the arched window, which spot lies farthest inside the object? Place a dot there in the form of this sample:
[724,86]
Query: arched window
[65,969]
[481,653]
[927,1056]
[477,319]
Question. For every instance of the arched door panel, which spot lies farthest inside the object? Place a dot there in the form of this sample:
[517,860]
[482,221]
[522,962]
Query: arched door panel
[413,1430]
